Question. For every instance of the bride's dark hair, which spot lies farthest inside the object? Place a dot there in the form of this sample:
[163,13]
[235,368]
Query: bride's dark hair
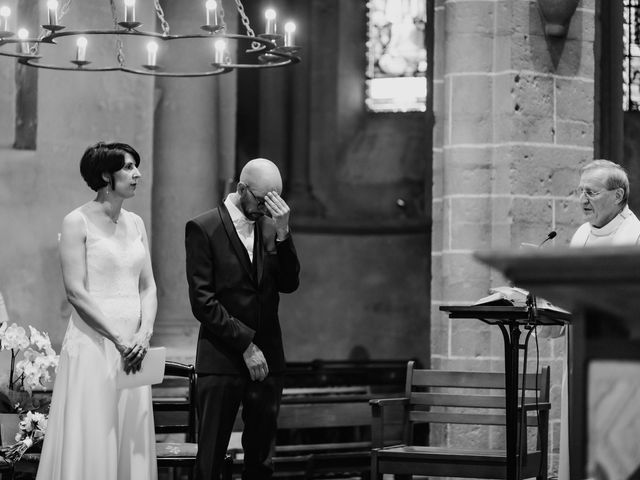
[104,158]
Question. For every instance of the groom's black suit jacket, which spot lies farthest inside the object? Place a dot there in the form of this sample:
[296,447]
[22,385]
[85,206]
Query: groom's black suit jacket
[236,301]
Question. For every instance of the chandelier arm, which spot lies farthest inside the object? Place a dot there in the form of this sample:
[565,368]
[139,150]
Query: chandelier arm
[267,44]
[28,61]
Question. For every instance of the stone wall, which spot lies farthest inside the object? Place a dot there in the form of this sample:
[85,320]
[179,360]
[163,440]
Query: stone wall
[514,123]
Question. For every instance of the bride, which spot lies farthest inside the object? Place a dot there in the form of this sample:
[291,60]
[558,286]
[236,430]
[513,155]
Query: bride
[96,431]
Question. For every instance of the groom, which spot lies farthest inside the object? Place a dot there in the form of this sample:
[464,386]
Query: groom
[239,257]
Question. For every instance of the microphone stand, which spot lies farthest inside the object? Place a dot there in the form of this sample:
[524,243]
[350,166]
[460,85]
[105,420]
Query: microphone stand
[532,314]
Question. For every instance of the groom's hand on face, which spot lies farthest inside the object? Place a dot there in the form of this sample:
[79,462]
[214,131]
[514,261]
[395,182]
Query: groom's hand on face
[279,211]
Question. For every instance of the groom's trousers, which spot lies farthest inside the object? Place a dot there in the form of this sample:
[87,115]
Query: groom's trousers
[218,400]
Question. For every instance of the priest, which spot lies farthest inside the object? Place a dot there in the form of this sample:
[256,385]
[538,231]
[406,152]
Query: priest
[603,193]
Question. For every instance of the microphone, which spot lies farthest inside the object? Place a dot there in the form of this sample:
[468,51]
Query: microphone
[552,234]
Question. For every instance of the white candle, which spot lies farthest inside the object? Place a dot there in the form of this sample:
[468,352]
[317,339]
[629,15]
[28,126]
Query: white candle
[270,16]
[219,50]
[81,51]
[152,50]
[129,10]
[212,12]
[52,10]
[5,12]
[289,30]
[23,34]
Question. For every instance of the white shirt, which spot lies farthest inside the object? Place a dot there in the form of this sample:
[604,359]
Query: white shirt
[243,225]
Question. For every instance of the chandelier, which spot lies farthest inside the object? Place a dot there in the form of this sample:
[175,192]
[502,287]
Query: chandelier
[212,50]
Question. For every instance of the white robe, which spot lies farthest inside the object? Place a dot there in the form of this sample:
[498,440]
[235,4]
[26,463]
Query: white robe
[624,229]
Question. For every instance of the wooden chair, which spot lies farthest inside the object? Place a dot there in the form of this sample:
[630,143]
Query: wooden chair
[174,412]
[461,399]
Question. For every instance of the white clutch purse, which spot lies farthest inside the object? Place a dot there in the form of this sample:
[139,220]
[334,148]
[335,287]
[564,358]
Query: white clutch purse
[151,372]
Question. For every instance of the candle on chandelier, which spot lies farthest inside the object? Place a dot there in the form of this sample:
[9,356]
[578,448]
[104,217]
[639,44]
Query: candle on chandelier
[52,12]
[152,50]
[129,10]
[212,12]
[289,31]
[5,12]
[270,16]
[23,34]
[81,50]
[219,51]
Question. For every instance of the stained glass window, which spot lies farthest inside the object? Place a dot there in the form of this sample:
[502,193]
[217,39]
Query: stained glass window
[397,56]
[631,65]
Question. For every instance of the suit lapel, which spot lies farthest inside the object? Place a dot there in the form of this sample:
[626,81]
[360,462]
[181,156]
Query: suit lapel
[241,252]
[258,250]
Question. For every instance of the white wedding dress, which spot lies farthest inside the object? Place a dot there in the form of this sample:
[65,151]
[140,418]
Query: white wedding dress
[96,432]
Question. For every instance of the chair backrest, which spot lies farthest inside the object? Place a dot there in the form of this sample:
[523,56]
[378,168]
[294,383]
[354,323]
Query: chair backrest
[174,399]
[468,398]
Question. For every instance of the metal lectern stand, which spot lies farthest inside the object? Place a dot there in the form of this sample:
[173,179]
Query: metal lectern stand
[510,320]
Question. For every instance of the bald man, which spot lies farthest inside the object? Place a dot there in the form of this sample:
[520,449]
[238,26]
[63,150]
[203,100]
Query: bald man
[240,256]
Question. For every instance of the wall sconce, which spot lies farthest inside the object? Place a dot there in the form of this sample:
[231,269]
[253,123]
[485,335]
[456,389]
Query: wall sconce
[556,15]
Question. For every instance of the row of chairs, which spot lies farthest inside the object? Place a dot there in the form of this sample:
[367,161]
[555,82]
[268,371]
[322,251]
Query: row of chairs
[434,397]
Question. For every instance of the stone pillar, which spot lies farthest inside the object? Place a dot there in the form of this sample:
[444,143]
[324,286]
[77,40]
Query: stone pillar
[193,153]
[301,196]
[514,123]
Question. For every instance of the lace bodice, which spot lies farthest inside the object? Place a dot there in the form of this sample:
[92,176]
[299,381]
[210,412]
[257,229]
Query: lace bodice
[114,264]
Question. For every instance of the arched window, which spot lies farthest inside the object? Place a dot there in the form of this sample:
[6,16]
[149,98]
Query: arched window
[631,60]
[396,56]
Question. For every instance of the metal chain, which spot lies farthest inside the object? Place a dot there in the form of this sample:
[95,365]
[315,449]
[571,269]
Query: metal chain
[221,16]
[160,14]
[247,25]
[245,19]
[119,44]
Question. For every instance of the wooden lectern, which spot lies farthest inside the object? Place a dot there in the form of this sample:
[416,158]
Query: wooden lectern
[601,287]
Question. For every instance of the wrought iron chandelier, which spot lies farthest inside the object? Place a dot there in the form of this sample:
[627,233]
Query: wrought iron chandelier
[264,50]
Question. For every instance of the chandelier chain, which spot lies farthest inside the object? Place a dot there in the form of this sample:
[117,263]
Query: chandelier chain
[119,44]
[221,17]
[246,23]
[163,21]
[245,19]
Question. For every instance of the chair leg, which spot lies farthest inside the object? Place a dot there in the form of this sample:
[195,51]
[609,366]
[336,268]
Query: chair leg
[227,468]
[374,466]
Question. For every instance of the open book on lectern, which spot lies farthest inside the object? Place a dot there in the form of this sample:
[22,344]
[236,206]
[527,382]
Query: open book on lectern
[513,296]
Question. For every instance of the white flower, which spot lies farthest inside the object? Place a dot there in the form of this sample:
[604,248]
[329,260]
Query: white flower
[40,340]
[15,338]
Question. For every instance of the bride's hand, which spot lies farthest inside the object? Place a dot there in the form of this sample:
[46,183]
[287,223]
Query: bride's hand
[140,345]
[126,350]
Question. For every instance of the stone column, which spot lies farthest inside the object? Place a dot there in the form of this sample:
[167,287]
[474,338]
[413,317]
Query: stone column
[193,152]
[514,122]
[301,194]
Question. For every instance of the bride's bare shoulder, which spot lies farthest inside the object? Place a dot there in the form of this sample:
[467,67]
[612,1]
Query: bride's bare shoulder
[76,218]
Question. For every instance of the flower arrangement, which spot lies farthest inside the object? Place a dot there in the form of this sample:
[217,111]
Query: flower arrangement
[32,428]
[33,369]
